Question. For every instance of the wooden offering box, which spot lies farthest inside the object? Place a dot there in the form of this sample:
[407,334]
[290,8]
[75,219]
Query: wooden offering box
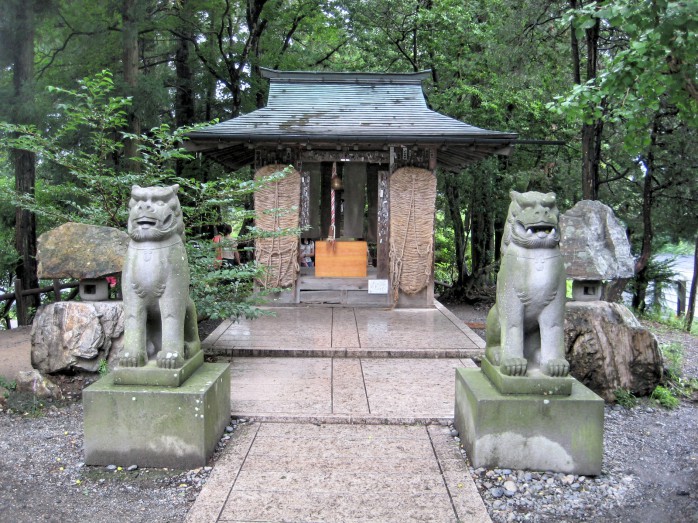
[347,259]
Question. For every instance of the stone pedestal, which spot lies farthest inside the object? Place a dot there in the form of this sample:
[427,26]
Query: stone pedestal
[529,431]
[154,426]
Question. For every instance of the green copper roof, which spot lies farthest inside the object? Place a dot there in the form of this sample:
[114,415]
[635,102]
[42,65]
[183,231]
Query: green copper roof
[326,109]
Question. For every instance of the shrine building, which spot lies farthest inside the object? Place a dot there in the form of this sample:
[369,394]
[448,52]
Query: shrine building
[360,152]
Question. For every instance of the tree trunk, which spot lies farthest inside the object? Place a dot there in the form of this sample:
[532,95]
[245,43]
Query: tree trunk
[647,231]
[25,161]
[481,231]
[184,97]
[459,232]
[691,308]
[591,132]
[129,14]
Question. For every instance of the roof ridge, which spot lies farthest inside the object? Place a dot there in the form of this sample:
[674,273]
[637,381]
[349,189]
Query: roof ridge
[344,77]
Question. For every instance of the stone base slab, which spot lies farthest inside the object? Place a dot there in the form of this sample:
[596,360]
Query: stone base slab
[535,382]
[526,431]
[153,426]
[151,374]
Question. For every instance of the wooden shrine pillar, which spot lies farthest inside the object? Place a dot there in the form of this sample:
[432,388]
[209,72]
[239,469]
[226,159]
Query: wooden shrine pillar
[383,240]
[312,193]
[354,198]
[372,201]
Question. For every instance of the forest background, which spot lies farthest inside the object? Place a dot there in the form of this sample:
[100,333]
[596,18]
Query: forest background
[616,81]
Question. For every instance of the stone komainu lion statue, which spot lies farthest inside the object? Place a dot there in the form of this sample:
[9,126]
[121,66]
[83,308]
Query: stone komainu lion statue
[525,328]
[160,317]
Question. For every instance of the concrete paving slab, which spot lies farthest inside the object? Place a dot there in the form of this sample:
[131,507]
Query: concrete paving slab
[277,474]
[338,431]
[351,332]
[344,332]
[332,481]
[211,500]
[283,385]
[323,389]
[337,507]
[414,387]
[348,389]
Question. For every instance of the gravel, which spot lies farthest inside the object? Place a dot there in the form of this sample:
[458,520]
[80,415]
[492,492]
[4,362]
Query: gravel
[650,471]
[649,474]
[43,478]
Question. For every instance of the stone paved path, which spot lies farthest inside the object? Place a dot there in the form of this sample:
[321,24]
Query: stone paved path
[333,473]
[355,433]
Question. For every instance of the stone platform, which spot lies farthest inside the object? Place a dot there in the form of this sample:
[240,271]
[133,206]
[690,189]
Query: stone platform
[529,431]
[324,332]
[154,426]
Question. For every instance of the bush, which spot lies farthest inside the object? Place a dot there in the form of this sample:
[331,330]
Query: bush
[625,398]
[665,397]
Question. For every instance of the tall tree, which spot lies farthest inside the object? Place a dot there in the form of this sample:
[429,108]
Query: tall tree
[24,161]
[130,10]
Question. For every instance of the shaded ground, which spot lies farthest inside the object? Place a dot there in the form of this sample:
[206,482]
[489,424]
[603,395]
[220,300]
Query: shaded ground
[653,452]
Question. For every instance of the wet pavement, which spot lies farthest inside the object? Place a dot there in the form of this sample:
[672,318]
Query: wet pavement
[347,414]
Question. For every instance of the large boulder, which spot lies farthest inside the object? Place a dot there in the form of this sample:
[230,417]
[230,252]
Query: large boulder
[68,336]
[77,250]
[608,349]
[594,244]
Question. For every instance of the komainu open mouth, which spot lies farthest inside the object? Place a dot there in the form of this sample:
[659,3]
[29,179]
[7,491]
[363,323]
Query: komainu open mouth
[539,229]
[146,222]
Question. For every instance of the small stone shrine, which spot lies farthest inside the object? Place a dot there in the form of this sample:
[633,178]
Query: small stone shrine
[87,253]
[607,347]
[595,248]
[162,406]
[522,410]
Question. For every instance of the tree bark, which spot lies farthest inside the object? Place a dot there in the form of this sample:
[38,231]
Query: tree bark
[184,96]
[647,230]
[691,308]
[24,162]
[459,233]
[481,232]
[591,132]
[129,14]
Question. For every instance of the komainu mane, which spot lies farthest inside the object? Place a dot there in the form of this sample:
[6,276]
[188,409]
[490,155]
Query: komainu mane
[160,317]
[525,328]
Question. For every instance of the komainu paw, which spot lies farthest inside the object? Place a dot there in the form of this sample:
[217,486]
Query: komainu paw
[132,359]
[557,368]
[514,366]
[169,360]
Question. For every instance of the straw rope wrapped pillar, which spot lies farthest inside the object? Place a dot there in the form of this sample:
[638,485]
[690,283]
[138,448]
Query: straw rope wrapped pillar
[277,208]
[412,205]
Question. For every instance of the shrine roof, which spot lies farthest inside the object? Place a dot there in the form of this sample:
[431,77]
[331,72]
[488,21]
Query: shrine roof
[366,110]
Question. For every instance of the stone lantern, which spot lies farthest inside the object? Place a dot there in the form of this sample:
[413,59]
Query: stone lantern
[595,249]
[87,253]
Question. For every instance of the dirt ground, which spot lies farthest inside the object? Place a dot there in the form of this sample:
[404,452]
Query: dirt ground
[42,477]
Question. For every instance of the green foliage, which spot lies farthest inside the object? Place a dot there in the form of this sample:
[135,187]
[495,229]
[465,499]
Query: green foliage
[7,384]
[625,398]
[103,368]
[674,384]
[666,318]
[665,397]
[673,355]
[683,248]
[96,189]
[95,186]
[653,58]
